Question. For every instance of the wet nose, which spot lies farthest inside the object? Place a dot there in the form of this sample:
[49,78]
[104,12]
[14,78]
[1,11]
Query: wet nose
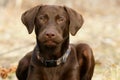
[50,34]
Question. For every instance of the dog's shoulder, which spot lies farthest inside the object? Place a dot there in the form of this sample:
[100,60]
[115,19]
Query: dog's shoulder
[28,55]
[82,50]
[26,58]
[23,66]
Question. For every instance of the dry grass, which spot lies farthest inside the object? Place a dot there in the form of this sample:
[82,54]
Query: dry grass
[101,31]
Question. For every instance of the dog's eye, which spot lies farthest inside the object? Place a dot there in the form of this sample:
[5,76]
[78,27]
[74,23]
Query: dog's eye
[43,19]
[60,19]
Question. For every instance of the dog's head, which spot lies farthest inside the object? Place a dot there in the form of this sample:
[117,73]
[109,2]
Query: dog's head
[52,23]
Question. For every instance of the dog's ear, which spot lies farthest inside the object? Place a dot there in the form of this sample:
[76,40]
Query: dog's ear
[76,20]
[28,18]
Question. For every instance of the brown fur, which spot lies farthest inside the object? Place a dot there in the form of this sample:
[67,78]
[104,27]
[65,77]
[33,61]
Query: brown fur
[52,26]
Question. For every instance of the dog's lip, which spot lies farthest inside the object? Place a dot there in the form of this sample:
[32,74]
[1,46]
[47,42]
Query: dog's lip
[50,43]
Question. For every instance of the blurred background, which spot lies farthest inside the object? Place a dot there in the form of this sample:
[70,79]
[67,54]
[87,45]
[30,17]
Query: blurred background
[101,30]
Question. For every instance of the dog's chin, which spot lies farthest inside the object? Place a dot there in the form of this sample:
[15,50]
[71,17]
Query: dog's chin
[50,43]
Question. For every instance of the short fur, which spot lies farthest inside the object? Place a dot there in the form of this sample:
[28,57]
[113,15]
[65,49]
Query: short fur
[52,26]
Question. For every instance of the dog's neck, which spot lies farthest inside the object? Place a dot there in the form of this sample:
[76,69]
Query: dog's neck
[53,52]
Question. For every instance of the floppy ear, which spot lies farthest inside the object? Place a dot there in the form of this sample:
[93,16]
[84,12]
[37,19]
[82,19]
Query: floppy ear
[76,20]
[28,18]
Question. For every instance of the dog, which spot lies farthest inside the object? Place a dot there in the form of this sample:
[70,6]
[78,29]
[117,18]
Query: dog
[53,57]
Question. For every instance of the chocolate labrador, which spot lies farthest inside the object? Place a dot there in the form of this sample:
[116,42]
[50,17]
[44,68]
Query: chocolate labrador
[53,58]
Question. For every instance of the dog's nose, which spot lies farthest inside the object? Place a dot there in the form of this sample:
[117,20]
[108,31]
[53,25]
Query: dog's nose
[50,34]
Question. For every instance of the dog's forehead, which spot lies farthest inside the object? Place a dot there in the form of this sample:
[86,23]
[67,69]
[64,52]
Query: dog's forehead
[52,9]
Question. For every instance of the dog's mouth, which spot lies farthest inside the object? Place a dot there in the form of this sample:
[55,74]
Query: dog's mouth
[50,43]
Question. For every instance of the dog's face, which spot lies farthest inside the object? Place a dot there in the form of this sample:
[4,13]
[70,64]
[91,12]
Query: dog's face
[52,23]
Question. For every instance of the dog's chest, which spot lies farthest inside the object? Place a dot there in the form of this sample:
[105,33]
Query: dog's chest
[67,71]
[59,73]
[53,73]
